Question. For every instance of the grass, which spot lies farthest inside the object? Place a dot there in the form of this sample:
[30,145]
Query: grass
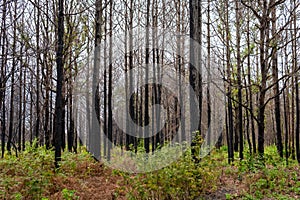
[31,175]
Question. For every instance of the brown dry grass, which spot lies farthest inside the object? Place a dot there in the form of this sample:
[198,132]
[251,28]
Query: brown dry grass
[90,181]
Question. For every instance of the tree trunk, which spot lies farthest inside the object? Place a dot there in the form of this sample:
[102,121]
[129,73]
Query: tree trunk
[14,62]
[276,87]
[58,123]
[94,138]
[110,77]
[195,76]
[295,67]
[229,95]
[3,76]
[105,86]
[146,103]
[131,106]
[264,36]
[250,88]
[87,99]
[154,67]
[20,105]
[70,133]
[24,110]
[286,129]
[157,95]
[208,79]
[239,80]
[37,123]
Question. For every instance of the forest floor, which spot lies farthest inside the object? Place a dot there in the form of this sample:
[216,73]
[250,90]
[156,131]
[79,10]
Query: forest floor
[31,175]
[99,184]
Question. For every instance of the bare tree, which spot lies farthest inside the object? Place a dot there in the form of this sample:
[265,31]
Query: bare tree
[276,87]
[94,137]
[3,40]
[239,79]
[14,63]
[58,123]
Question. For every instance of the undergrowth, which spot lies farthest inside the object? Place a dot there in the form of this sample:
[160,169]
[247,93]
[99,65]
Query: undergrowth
[214,178]
[31,175]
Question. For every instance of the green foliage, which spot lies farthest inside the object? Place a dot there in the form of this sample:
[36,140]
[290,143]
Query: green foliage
[69,194]
[31,175]
[248,51]
[269,177]
[197,141]
[18,196]
[229,196]
[181,180]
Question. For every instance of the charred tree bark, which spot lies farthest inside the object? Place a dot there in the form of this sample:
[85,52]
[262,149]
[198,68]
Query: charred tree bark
[110,77]
[229,89]
[295,67]
[3,77]
[94,139]
[208,77]
[14,62]
[276,87]
[146,103]
[59,122]
[195,76]
[250,88]
[239,80]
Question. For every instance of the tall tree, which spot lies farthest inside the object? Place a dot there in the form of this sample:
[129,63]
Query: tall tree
[20,118]
[37,36]
[195,76]
[276,84]
[249,82]
[58,123]
[47,81]
[3,76]
[110,79]
[130,108]
[296,69]
[229,89]
[209,132]
[146,100]
[14,63]
[239,79]
[264,53]
[105,83]
[94,137]
[155,66]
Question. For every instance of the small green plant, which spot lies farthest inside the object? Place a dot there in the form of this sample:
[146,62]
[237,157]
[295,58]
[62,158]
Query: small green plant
[262,183]
[228,196]
[18,196]
[249,197]
[69,194]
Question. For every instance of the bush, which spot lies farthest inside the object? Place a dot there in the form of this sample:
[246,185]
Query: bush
[181,180]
